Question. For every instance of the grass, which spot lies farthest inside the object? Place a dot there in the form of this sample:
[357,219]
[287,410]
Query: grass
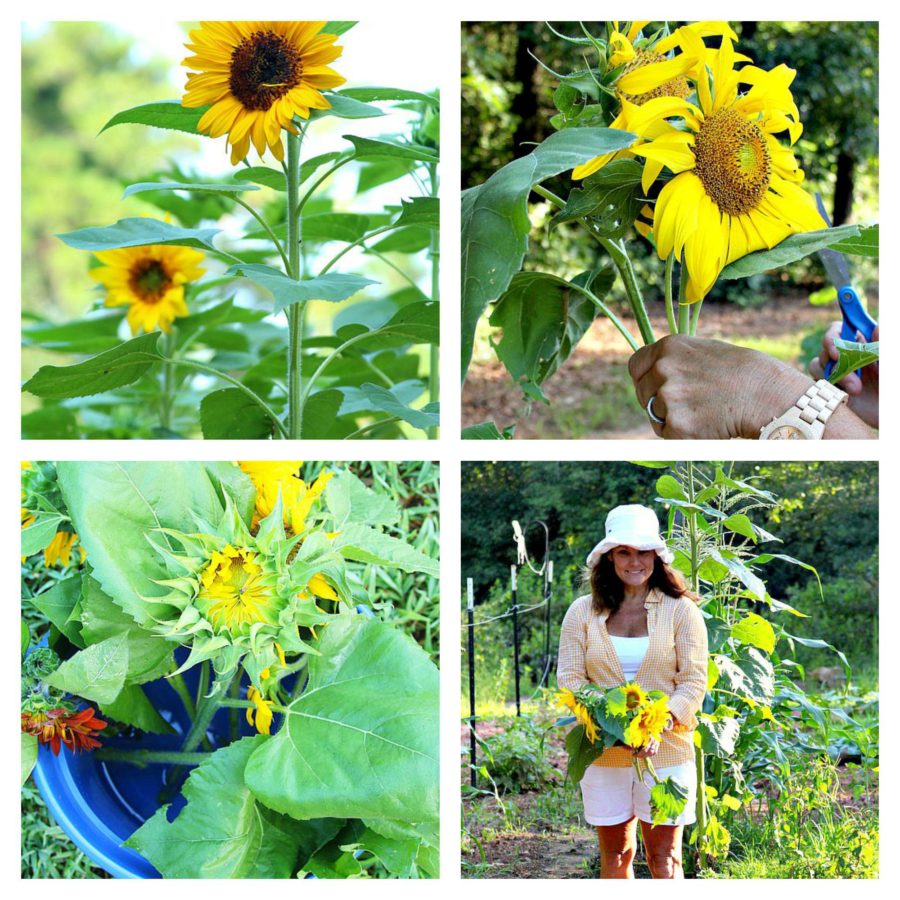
[46,850]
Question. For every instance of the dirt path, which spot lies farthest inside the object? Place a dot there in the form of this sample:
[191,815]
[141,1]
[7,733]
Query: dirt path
[592,395]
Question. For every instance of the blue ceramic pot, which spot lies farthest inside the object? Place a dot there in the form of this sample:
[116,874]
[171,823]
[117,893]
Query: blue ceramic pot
[99,804]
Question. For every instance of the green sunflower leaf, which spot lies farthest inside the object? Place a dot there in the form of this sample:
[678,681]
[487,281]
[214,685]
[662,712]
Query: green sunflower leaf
[57,605]
[864,245]
[168,114]
[487,431]
[346,108]
[420,211]
[363,544]
[350,500]
[332,287]
[230,414]
[797,246]
[338,28]
[495,223]
[223,831]
[852,356]
[138,231]
[362,740]
[143,187]
[270,178]
[386,94]
[416,323]
[37,535]
[369,148]
[96,673]
[386,400]
[112,369]
[133,707]
[755,631]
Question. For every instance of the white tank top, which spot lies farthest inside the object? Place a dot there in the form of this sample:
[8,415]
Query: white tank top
[631,652]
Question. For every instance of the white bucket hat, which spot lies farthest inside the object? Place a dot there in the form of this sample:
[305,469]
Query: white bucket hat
[634,526]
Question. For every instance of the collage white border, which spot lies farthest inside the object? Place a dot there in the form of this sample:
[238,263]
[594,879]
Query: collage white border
[438,26]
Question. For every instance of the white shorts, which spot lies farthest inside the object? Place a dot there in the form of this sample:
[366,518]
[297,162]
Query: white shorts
[614,794]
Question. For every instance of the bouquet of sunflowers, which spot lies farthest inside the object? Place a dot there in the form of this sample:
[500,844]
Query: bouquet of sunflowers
[627,716]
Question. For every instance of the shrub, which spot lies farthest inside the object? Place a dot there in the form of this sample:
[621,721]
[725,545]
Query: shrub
[515,757]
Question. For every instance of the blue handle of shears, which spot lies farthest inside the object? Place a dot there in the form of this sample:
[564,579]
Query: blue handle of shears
[856,321]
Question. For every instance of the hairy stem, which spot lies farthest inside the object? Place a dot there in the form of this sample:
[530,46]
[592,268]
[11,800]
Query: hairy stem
[434,253]
[268,230]
[670,305]
[142,758]
[295,310]
[178,684]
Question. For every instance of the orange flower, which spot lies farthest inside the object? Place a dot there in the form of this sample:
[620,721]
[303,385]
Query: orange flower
[61,725]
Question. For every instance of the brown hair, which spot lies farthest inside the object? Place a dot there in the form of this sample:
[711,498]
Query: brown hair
[608,592]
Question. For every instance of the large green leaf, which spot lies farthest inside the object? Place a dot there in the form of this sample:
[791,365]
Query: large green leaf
[270,178]
[386,400]
[116,505]
[162,114]
[420,211]
[755,631]
[133,707]
[611,197]
[138,232]
[362,740]
[346,108]
[366,545]
[223,831]
[542,317]
[349,500]
[334,226]
[747,673]
[495,223]
[96,673]
[718,734]
[149,656]
[93,333]
[229,414]
[864,245]
[415,323]
[797,246]
[852,356]
[333,287]
[115,368]
[57,605]
[582,753]
[487,431]
[144,187]
[386,94]
[369,148]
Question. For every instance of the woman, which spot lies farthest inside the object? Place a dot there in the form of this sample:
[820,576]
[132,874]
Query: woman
[639,623]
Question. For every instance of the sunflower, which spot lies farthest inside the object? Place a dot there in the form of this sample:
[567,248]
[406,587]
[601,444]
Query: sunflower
[736,187]
[625,698]
[581,712]
[236,593]
[649,722]
[648,72]
[257,76]
[149,281]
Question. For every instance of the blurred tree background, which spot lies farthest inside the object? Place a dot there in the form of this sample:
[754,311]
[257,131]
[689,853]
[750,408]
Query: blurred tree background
[75,76]
[827,517]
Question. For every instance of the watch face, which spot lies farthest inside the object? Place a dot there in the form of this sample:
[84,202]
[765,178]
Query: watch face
[787,433]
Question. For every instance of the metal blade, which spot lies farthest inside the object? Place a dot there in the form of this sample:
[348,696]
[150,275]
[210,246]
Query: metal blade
[834,262]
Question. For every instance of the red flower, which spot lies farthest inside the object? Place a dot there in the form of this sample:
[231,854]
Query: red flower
[54,726]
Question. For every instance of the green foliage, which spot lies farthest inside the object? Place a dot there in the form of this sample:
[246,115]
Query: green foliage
[361,740]
[852,356]
[515,757]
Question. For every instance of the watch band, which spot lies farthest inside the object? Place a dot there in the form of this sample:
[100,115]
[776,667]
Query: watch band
[807,417]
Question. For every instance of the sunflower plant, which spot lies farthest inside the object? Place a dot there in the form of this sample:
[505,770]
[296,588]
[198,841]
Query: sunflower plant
[240,591]
[623,716]
[228,288]
[669,135]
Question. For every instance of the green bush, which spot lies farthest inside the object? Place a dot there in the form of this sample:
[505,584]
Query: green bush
[515,756]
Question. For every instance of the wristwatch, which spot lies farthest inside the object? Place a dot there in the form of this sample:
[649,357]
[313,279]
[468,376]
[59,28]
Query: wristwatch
[805,420]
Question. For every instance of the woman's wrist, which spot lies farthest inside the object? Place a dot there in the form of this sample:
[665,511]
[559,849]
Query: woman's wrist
[771,390]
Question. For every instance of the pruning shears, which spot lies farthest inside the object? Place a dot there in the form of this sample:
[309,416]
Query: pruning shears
[856,320]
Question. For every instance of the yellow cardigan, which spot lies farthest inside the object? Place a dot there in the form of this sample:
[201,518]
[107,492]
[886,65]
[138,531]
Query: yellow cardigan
[675,663]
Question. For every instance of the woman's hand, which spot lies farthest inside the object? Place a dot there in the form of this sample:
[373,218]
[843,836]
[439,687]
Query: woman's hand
[863,390]
[651,748]
[710,389]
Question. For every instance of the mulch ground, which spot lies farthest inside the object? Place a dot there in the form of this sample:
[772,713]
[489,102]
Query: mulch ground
[592,396]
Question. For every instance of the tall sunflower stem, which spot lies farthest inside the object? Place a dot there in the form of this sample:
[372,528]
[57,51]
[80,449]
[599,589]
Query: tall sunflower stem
[178,684]
[695,316]
[142,758]
[295,310]
[670,305]
[434,253]
[622,262]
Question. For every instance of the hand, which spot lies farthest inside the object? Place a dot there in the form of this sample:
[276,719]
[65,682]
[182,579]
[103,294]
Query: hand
[710,389]
[863,391]
[651,748]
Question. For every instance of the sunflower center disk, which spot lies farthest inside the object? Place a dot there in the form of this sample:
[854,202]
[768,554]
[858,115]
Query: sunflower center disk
[732,162]
[264,67]
[675,87]
[149,280]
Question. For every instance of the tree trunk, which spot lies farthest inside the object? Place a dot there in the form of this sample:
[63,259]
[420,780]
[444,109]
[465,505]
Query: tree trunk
[843,188]
[525,103]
